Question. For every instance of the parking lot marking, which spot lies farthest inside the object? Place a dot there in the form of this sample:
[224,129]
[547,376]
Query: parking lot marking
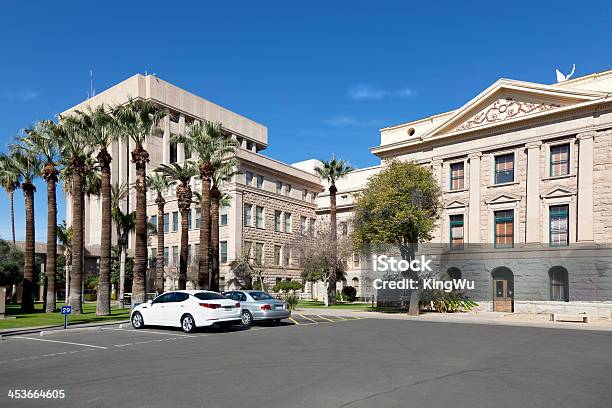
[63,342]
[325,318]
[145,331]
[307,318]
[293,320]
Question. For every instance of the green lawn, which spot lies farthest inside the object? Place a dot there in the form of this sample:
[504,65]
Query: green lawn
[15,319]
[314,304]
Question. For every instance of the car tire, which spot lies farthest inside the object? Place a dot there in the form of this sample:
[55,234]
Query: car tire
[187,323]
[276,322]
[247,318]
[137,320]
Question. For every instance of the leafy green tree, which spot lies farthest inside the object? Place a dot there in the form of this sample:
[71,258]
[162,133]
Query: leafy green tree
[210,144]
[11,264]
[399,206]
[159,183]
[331,171]
[181,174]
[9,181]
[137,121]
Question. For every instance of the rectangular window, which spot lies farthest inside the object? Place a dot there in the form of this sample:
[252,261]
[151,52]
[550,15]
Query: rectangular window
[286,256]
[153,221]
[277,221]
[259,253]
[356,259]
[279,187]
[166,222]
[260,181]
[559,285]
[175,221]
[248,178]
[313,227]
[456,176]
[198,217]
[288,190]
[277,255]
[259,217]
[166,256]
[175,256]
[223,251]
[223,215]
[304,195]
[153,258]
[288,223]
[303,225]
[504,168]
[456,231]
[504,229]
[558,224]
[189,219]
[559,160]
[173,155]
[246,213]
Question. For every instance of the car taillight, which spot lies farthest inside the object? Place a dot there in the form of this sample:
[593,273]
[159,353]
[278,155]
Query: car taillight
[210,305]
[266,307]
[237,304]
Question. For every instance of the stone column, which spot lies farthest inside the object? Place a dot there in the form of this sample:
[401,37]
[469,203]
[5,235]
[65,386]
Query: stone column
[532,226]
[234,247]
[166,141]
[585,186]
[474,191]
[180,148]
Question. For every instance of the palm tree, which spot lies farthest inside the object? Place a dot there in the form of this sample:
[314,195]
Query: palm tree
[159,183]
[9,180]
[181,174]
[75,149]
[223,171]
[209,143]
[101,130]
[42,142]
[28,167]
[125,226]
[119,192]
[64,236]
[137,121]
[332,171]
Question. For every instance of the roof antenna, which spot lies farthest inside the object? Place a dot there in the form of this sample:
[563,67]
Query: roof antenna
[92,91]
[562,78]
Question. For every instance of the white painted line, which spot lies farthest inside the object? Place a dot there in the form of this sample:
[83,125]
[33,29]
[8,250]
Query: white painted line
[154,332]
[63,342]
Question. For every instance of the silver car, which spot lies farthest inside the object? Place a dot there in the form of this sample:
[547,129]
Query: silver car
[257,305]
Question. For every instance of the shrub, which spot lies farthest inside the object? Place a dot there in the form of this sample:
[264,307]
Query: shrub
[292,300]
[339,296]
[286,286]
[447,302]
[349,293]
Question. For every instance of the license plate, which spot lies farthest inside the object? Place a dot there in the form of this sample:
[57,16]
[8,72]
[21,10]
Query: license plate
[228,308]
[279,307]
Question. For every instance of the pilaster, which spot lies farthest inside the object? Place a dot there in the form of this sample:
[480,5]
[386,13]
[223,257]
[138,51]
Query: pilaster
[474,191]
[585,186]
[532,226]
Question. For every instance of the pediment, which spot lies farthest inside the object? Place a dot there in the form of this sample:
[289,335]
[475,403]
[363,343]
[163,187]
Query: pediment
[509,101]
[557,192]
[503,198]
[455,204]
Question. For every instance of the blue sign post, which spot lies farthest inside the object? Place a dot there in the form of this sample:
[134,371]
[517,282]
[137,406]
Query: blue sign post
[65,311]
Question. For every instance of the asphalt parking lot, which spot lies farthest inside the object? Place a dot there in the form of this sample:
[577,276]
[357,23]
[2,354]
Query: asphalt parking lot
[312,361]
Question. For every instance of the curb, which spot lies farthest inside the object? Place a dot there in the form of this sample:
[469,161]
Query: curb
[46,330]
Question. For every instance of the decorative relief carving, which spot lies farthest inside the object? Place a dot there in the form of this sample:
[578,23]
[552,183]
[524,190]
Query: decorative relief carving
[503,109]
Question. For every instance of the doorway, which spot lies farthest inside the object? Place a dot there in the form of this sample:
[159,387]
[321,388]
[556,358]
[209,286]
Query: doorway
[503,290]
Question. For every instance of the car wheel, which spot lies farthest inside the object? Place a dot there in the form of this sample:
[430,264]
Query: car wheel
[187,323]
[137,321]
[247,318]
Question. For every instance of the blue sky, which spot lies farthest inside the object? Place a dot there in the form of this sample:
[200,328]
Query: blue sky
[323,76]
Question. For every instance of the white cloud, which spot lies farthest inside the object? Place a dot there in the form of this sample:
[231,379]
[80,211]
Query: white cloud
[23,95]
[347,121]
[363,92]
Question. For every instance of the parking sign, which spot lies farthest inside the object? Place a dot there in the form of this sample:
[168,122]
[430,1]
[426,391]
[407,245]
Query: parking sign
[66,310]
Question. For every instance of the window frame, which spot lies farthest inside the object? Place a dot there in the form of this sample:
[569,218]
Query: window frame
[500,220]
[247,220]
[562,283]
[454,223]
[462,178]
[552,163]
[496,172]
[550,224]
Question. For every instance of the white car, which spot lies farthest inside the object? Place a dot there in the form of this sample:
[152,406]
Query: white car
[187,309]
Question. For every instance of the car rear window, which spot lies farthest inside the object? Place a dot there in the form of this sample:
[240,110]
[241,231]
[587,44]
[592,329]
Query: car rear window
[209,296]
[260,295]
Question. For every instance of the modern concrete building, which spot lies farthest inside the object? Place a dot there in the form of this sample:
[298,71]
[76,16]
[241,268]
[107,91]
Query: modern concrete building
[526,174]
[270,201]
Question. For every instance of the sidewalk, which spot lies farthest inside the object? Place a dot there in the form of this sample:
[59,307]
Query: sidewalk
[490,318]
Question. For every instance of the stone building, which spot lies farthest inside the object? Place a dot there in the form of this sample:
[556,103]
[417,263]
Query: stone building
[526,174]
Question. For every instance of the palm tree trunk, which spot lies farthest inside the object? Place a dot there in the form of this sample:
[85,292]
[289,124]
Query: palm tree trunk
[27,297]
[104,285]
[182,278]
[76,278]
[159,266]
[11,197]
[140,157]
[203,267]
[51,264]
[213,283]
[331,288]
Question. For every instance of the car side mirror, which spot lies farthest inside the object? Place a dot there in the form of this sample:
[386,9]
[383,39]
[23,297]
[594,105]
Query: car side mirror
[150,302]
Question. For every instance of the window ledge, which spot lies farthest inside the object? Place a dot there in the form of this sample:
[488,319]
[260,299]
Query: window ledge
[512,183]
[565,176]
[461,190]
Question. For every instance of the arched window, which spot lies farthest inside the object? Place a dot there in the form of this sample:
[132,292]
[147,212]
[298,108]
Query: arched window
[454,273]
[559,284]
[356,286]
